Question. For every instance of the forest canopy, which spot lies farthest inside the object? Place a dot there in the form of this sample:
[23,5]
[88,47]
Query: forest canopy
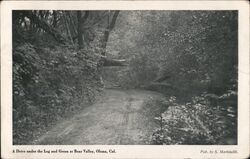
[60,61]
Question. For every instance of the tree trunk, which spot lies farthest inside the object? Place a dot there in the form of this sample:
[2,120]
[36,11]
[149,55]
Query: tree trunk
[81,21]
[72,24]
[67,28]
[107,32]
[54,19]
[79,29]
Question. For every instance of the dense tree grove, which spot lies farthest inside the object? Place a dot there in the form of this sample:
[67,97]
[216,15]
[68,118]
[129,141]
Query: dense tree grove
[189,56]
[192,57]
[192,48]
[56,65]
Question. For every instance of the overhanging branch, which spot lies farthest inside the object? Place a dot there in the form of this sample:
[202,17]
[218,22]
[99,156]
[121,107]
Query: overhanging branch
[45,26]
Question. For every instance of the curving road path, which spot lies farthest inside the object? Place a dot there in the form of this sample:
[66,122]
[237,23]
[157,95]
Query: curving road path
[119,117]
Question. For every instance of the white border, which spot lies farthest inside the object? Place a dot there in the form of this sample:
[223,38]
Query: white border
[129,151]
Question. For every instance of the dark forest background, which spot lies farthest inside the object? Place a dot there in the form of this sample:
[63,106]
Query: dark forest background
[62,61]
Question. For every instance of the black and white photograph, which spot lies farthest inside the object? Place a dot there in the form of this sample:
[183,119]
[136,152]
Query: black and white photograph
[125,77]
[118,76]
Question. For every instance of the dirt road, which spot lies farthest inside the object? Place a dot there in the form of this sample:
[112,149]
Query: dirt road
[119,117]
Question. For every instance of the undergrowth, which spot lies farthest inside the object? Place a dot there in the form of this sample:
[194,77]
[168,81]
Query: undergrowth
[206,119]
[50,84]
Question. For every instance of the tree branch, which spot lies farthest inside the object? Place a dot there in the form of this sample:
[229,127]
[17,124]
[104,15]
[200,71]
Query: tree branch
[45,26]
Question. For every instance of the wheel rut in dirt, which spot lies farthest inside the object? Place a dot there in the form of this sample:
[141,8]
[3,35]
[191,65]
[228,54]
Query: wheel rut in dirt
[120,117]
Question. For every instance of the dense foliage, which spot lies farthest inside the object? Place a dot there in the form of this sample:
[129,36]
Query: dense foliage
[198,121]
[49,84]
[193,56]
[189,56]
[54,75]
[197,50]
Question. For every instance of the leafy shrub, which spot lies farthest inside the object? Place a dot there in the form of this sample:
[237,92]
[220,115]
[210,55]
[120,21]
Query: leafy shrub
[48,84]
[198,122]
